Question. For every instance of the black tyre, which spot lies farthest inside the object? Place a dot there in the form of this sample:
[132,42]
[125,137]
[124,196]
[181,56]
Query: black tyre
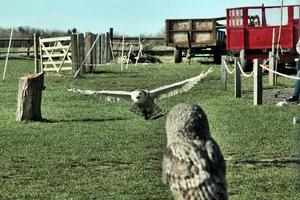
[178,55]
[217,58]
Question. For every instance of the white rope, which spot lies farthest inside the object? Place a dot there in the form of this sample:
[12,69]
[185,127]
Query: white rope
[243,73]
[88,53]
[8,50]
[278,73]
[230,72]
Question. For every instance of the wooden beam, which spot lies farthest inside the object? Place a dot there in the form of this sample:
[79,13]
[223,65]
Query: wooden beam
[223,82]
[36,45]
[87,47]
[75,64]
[237,80]
[56,39]
[258,83]
[81,55]
[272,63]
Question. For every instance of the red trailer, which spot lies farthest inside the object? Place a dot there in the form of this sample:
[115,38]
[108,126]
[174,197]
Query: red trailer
[250,31]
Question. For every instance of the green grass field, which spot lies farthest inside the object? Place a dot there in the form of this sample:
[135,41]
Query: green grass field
[90,149]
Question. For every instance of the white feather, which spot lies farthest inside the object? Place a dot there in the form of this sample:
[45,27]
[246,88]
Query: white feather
[178,87]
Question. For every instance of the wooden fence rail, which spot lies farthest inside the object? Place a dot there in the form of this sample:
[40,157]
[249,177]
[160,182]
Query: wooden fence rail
[78,52]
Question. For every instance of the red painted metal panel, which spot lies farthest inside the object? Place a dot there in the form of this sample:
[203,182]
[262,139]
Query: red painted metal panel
[236,39]
[261,38]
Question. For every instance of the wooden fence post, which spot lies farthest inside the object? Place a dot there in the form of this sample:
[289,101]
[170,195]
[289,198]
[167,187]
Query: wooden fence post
[75,64]
[94,50]
[242,59]
[101,49]
[80,50]
[258,83]
[223,82]
[111,34]
[272,63]
[36,44]
[237,79]
[104,50]
[87,47]
[108,51]
[30,97]
[98,50]
[29,44]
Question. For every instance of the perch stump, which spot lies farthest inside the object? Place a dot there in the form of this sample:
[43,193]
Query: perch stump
[30,97]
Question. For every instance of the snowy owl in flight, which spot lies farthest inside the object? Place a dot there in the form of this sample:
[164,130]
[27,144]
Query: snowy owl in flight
[143,100]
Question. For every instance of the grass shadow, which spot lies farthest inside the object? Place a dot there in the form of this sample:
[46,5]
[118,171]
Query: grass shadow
[52,121]
[270,162]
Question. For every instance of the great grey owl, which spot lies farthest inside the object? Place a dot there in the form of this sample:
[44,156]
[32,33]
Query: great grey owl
[143,100]
[193,165]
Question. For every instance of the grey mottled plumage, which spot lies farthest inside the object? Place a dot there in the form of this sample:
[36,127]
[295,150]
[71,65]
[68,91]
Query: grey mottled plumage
[144,100]
[193,165]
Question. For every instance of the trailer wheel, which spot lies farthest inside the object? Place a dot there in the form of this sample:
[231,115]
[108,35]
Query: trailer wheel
[217,55]
[217,58]
[178,55]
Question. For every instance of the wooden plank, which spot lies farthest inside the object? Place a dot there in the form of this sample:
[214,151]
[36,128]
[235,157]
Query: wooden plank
[55,39]
[108,51]
[16,39]
[223,82]
[75,64]
[36,45]
[57,62]
[101,49]
[237,79]
[104,49]
[41,53]
[272,63]
[258,83]
[98,49]
[66,55]
[87,47]
[61,55]
[54,70]
[80,46]
[56,48]
[94,50]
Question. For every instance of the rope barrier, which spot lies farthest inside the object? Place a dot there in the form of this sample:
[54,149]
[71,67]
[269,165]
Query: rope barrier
[227,69]
[278,73]
[243,73]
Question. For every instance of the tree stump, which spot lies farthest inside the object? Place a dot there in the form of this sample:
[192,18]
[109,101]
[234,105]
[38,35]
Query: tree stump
[30,97]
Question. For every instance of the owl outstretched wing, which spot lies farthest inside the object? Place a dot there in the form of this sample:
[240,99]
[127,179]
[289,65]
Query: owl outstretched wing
[105,94]
[178,87]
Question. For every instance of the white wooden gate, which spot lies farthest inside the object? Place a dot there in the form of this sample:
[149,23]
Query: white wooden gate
[55,54]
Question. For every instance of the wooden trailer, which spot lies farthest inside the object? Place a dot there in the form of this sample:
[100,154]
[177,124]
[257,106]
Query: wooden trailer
[196,37]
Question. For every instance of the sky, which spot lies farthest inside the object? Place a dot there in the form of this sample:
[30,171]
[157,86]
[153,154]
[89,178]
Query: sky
[128,17]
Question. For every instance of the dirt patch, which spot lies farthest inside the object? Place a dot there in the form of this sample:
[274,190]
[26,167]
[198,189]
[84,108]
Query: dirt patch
[273,96]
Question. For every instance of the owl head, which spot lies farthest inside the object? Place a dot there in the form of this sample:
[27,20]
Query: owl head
[188,121]
[139,96]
